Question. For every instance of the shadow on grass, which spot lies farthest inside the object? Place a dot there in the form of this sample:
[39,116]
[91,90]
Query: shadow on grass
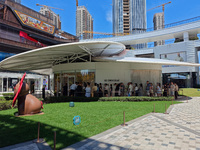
[15,130]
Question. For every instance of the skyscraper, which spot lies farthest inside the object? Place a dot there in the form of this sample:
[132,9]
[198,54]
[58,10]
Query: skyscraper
[129,16]
[17,1]
[84,22]
[52,15]
[158,21]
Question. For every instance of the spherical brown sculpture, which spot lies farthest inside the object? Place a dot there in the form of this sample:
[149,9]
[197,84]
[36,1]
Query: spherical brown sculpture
[27,103]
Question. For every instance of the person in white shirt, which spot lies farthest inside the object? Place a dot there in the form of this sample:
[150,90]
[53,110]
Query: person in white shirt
[130,89]
[136,89]
[73,88]
[172,89]
[158,90]
[179,58]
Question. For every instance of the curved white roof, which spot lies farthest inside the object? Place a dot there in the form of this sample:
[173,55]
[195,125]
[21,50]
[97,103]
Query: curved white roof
[157,61]
[146,61]
[46,57]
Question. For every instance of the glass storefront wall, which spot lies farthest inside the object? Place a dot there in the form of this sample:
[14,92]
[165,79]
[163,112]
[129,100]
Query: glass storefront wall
[67,78]
[11,84]
[5,85]
[183,80]
[8,84]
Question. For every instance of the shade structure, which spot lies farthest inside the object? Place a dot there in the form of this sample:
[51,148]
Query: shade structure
[47,57]
[144,61]
[157,61]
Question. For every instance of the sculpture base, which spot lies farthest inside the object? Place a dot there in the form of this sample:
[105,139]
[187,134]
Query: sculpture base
[17,115]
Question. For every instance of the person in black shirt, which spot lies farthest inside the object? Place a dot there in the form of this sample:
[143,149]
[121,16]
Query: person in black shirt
[79,90]
[65,89]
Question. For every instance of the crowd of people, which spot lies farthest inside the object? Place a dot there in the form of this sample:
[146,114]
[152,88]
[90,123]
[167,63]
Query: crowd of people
[119,89]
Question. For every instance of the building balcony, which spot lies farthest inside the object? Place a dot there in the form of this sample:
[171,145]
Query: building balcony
[23,44]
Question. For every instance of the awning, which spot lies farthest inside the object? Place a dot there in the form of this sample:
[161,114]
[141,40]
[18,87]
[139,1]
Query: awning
[47,57]
[156,61]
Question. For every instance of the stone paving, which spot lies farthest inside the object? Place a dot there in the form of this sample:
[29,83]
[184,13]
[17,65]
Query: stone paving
[180,129]
[30,145]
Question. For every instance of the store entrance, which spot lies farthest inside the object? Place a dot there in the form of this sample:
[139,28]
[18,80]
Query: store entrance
[68,81]
[183,80]
[63,83]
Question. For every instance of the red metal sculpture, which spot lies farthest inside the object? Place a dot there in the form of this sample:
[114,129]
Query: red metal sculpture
[27,103]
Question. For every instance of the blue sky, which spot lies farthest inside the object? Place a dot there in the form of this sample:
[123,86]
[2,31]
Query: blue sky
[101,11]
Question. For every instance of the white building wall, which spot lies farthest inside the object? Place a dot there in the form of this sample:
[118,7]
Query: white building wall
[187,47]
[115,72]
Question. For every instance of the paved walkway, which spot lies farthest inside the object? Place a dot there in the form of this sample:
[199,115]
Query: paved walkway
[30,145]
[180,129]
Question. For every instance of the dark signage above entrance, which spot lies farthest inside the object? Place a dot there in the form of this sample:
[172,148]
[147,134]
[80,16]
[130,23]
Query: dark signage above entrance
[111,80]
[35,23]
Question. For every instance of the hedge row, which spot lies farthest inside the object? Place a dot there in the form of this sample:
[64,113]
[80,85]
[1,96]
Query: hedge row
[3,98]
[136,99]
[8,94]
[91,99]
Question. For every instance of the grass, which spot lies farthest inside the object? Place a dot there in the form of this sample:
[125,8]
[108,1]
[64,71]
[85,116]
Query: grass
[191,92]
[96,117]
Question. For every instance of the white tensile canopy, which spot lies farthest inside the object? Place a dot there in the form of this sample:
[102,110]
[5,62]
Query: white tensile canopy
[44,58]
[157,61]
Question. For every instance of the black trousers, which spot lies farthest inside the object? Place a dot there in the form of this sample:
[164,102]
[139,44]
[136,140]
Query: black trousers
[176,94]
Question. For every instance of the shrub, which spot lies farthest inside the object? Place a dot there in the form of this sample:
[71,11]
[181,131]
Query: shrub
[136,99]
[6,105]
[8,94]
[92,99]
[2,98]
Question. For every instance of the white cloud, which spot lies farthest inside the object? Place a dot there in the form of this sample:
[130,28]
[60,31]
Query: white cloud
[109,16]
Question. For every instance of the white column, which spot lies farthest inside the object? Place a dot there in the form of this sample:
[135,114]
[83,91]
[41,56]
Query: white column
[52,88]
[186,36]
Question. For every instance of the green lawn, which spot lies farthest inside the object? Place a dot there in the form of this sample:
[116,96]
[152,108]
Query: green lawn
[191,92]
[96,117]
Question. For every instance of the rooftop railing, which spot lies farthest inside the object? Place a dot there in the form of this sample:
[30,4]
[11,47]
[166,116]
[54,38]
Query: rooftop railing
[134,31]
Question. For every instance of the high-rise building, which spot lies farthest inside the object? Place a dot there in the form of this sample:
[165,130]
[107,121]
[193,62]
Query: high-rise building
[17,1]
[158,21]
[129,16]
[53,16]
[84,22]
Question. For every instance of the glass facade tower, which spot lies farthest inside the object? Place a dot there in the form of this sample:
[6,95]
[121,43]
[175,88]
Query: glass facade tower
[129,16]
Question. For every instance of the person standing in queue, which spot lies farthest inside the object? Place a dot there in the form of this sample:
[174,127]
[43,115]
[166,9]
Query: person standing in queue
[43,92]
[88,90]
